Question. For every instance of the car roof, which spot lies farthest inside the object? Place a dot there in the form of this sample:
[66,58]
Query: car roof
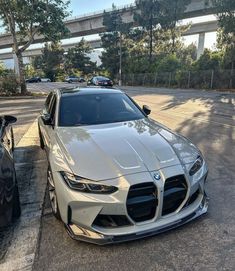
[87,90]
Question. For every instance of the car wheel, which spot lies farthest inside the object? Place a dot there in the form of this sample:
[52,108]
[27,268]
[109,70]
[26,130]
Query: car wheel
[42,145]
[6,216]
[52,195]
[16,212]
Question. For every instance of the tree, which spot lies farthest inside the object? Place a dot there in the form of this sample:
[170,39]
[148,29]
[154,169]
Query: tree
[136,61]
[156,15]
[1,68]
[37,62]
[50,62]
[208,61]
[30,71]
[77,58]
[225,12]
[25,19]
[226,35]
[171,11]
[52,59]
[113,41]
[146,16]
[170,63]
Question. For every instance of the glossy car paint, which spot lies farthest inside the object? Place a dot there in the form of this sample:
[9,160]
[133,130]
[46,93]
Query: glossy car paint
[120,154]
[8,185]
[101,81]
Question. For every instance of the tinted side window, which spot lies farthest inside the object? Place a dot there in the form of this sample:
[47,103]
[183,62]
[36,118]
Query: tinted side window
[52,108]
[48,100]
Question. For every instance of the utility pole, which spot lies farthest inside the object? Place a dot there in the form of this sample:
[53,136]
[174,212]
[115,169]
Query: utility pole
[120,60]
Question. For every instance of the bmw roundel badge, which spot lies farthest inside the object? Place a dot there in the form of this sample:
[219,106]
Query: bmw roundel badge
[157,176]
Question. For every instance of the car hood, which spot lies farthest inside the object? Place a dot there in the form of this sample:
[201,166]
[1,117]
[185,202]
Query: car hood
[101,152]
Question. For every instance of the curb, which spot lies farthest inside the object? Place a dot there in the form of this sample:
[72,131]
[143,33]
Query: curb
[21,97]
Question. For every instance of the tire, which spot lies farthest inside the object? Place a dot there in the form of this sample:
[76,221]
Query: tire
[42,145]
[16,211]
[6,216]
[52,195]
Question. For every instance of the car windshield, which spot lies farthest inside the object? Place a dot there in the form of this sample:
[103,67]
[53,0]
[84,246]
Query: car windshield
[102,78]
[91,109]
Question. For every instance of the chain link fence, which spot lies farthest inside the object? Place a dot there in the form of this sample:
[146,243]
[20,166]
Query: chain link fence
[206,79]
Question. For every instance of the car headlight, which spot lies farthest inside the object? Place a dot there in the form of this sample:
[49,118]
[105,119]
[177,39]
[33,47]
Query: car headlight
[86,186]
[196,166]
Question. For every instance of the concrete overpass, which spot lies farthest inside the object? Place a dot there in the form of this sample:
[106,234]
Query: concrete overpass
[95,44]
[202,29]
[93,24]
[199,28]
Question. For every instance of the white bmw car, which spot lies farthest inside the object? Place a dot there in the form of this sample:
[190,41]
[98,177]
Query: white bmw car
[114,174]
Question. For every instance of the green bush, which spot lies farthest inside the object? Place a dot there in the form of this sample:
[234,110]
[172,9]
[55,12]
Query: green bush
[9,84]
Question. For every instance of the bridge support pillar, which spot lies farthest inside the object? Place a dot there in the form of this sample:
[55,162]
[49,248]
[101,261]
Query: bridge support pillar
[201,44]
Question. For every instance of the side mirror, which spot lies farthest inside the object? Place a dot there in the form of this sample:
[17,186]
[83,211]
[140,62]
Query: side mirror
[46,118]
[146,110]
[9,119]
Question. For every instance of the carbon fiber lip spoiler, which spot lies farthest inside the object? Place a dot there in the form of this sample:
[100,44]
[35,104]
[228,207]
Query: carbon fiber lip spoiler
[100,239]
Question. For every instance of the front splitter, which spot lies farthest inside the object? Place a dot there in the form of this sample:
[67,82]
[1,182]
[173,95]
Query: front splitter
[82,234]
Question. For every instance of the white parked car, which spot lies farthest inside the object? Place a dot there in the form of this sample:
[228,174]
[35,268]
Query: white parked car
[45,80]
[114,174]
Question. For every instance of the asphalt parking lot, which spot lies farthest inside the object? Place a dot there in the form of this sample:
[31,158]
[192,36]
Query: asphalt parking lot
[26,111]
[208,119]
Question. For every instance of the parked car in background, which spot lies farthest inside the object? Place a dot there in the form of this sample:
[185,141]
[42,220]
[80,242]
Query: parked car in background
[45,80]
[82,80]
[100,81]
[74,79]
[9,194]
[114,174]
[33,80]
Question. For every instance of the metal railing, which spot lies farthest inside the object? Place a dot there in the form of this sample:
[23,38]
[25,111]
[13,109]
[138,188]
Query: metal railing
[203,79]
[89,14]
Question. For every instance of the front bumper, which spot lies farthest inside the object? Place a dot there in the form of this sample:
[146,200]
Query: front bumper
[82,234]
[79,210]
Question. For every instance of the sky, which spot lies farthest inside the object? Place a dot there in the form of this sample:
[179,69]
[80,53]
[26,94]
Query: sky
[82,7]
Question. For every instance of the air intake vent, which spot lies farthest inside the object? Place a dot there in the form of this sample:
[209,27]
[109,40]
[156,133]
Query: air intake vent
[175,191]
[193,197]
[142,201]
[111,221]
